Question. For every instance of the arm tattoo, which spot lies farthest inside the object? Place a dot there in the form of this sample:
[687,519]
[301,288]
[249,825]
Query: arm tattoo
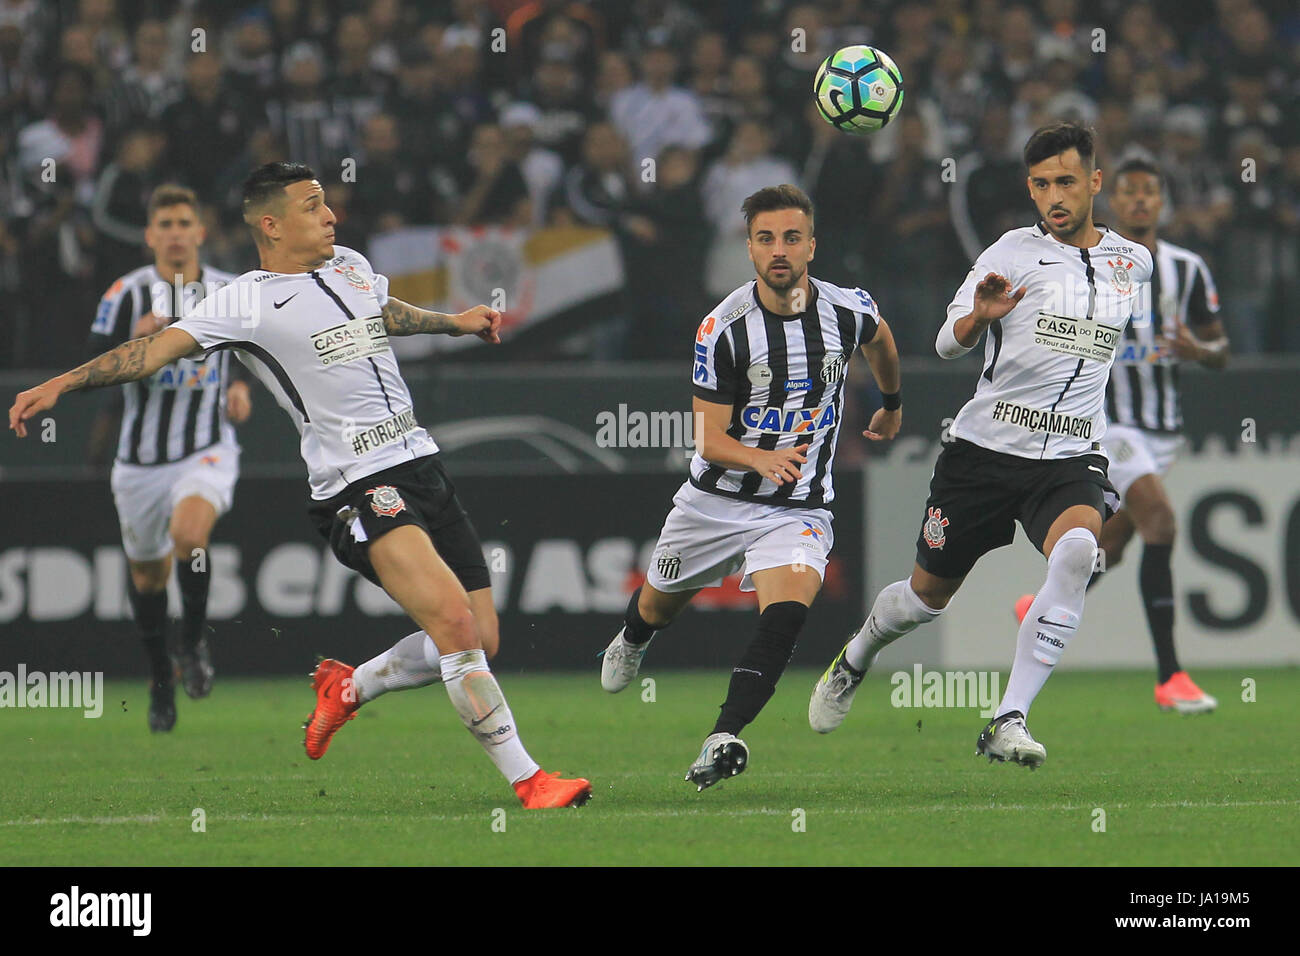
[402,318]
[126,363]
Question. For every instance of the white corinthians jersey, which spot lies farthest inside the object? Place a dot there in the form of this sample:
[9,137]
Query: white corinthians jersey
[317,342]
[1143,389]
[784,379]
[1046,362]
[181,408]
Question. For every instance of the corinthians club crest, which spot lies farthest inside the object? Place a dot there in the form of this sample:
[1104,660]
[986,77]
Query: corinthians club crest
[932,530]
[385,501]
[355,278]
[1120,279]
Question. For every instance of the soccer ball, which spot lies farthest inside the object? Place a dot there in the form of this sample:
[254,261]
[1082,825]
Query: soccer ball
[858,89]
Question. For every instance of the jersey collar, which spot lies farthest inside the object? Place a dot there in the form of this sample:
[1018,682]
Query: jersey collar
[809,309]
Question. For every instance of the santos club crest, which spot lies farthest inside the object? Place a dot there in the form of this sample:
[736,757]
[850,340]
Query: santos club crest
[833,367]
[932,530]
[385,501]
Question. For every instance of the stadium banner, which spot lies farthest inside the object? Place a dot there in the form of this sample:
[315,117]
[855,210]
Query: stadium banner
[531,276]
[1236,569]
[565,553]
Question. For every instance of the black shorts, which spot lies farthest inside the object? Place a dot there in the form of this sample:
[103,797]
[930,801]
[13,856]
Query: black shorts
[977,496]
[415,492]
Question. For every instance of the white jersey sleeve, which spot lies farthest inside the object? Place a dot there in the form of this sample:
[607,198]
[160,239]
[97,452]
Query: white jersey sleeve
[995,259]
[226,316]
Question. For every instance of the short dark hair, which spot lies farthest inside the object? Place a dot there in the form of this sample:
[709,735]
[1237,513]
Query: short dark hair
[170,194]
[771,198]
[268,181]
[1138,164]
[1055,139]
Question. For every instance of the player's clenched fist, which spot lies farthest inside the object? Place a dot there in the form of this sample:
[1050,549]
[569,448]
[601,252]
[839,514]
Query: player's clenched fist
[780,465]
[480,321]
[993,298]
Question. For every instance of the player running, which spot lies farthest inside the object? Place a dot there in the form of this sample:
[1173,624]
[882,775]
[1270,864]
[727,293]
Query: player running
[1027,446]
[177,458]
[313,325]
[769,396]
[1146,420]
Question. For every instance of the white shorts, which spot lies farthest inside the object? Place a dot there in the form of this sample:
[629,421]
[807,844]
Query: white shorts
[146,496]
[707,537]
[1134,453]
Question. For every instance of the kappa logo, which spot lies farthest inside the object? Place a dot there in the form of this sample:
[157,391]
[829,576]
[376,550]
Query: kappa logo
[669,566]
[385,501]
[933,531]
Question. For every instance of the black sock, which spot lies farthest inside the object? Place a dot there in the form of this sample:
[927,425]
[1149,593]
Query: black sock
[753,681]
[1156,581]
[151,620]
[636,630]
[194,601]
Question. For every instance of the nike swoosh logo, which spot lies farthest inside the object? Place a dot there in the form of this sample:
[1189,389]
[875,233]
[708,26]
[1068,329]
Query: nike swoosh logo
[1043,620]
[1050,262]
[1096,469]
[286,301]
[475,723]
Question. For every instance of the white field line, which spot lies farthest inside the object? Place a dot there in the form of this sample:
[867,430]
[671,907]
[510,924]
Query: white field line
[942,808]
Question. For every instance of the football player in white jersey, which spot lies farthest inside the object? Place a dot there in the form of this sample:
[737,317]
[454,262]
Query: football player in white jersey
[1054,299]
[769,397]
[1145,411]
[313,324]
[177,459]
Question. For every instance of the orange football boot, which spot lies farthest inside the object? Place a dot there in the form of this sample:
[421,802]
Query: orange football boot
[336,704]
[1181,694]
[543,790]
[1022,606]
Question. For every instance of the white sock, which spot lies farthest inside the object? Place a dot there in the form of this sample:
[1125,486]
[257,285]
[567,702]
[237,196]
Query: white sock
[411,662]
[483,709]
[897,611]
[1051,620]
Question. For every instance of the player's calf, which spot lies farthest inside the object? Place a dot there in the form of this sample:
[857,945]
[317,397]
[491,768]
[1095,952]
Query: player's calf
[622,658]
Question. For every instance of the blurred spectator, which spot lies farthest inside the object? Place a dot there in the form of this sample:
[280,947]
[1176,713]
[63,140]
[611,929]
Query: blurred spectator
[613,74]
[493,189]
[554,30]
[557,91]
[654,113]
[390,191]
[542,168]
[597,189]
[144,88]
[65,147]
[205,127]
[748,99]
[1201,201]
[118,209]
[1250,243]
[108,39]
[250,59]
[747,166]
[431,130]
[20,82]
[665,23]
[989,196]
[356,88]
[305,117]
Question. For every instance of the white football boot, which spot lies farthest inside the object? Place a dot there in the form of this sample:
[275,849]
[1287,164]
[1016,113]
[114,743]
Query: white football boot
[832,695]
[621,663]
[1007,738]
[723,756]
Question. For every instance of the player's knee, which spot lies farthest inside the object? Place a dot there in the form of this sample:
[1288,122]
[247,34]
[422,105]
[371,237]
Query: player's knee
[150,577]
[1073,557]
[1159,524]
[189,543]
[453,628]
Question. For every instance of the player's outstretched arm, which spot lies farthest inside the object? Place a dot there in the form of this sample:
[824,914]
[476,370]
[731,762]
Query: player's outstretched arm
[882,356]
[130,361]
[402,318]
[993,300]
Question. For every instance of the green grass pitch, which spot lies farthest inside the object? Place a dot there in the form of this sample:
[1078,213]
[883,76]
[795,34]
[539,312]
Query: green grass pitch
[405,784]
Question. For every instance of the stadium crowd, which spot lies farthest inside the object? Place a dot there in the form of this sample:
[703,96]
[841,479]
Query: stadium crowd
[548,112]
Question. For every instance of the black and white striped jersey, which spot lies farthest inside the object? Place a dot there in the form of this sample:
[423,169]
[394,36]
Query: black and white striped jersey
[1143,389]
[784,379]
[181,408]
[318,342]
[1042,391]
